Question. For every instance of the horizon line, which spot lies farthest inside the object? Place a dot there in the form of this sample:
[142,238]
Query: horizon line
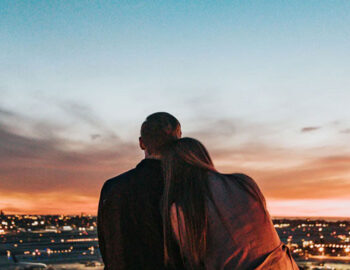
[273,217]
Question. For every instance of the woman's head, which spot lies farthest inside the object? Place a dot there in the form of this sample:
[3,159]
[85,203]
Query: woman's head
[187,152]
[186,163]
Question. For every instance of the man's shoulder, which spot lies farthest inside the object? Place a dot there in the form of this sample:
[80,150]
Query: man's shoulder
[118,184]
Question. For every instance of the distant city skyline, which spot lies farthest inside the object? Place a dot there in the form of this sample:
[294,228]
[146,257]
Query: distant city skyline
[264,85]
[73,239]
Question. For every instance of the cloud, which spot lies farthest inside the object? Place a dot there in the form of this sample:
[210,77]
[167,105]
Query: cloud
[81,112]
[283,174]
[7,113]
[228,133]
[345,131]
[39,166]
[309,129]
[43,164]
[214,130]
[86,115]
[95,136]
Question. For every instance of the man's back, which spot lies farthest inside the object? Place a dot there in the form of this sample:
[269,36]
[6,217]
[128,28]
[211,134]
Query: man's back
[130,227]
[129,219]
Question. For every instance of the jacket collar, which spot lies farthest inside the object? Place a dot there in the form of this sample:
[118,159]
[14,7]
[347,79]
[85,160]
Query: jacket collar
[149,162]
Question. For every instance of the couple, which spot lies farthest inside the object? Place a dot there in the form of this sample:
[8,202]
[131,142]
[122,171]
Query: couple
[175,211]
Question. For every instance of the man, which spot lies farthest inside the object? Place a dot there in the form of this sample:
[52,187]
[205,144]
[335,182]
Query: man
[130,229]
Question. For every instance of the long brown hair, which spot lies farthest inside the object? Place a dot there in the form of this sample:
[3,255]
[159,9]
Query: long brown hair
[186,163]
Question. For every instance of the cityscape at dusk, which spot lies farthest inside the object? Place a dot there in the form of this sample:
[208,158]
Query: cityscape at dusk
[264,85]
[71,241]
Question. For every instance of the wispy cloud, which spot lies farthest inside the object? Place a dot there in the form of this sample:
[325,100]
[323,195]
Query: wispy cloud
[81,112]
[39,165]
[6,113]
[283,174]
[95,136]
[309,129]
[345,131]
[36,160]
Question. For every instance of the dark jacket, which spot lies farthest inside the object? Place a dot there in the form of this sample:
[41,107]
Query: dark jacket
[129,219]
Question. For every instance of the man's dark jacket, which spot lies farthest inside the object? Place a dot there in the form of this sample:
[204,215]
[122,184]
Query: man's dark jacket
[129,219]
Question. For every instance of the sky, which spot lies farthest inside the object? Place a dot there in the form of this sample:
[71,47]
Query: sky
[264,85]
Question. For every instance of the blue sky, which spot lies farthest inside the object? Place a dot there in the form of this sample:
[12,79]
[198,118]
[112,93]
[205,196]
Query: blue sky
[272,75]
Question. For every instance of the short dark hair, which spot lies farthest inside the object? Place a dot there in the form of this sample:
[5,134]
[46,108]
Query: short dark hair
[159,129]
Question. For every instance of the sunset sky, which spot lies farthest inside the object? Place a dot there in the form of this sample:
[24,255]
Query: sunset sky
[265,85]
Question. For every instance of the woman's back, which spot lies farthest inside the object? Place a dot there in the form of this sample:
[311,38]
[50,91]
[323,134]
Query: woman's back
[240,231]
[220,221]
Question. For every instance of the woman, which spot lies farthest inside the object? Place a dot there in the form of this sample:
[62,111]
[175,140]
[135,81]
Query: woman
[219,221]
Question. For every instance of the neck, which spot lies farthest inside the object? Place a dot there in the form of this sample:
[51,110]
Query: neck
[152,156]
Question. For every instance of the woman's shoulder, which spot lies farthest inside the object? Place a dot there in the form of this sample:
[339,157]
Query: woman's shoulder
[236,177]
[239,180]
[245,183]
[242,178]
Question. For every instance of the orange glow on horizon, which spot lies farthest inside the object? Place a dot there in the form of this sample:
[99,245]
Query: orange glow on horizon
[48,203]
[73,204]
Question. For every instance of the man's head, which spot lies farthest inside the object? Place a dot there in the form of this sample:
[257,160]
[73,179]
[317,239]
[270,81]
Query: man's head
[157,130]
